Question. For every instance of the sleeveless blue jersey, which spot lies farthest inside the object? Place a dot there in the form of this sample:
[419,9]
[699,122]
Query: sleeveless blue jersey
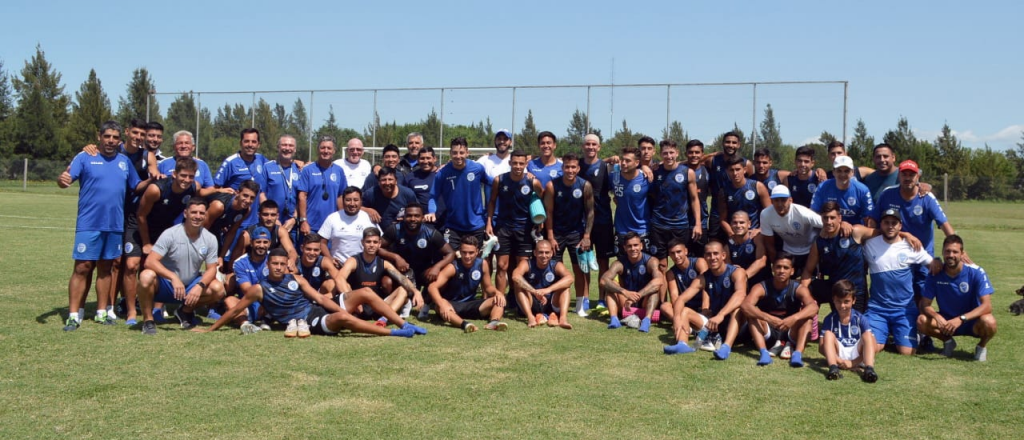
[597,174]
[463,286]
[315,275]
[779,302]
[683,279]
[635,275]
[745,198]
[742,254]
[719,287]
[570,213]
[771,180]
[541,277]
[513,203]
[803,190]
[703,192]
[670,198]
[167,210]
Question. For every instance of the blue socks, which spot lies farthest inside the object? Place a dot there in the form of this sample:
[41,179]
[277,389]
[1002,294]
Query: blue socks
[405,332]
[645,325]
[415,328]
[723,353]
[797,360]
[614,324]
[766,357]
[679,348]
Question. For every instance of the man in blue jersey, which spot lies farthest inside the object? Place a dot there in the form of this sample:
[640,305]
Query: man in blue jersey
[227,213]
[496,163]
[367,269]
[569,202]
[421,179]
[854,199]
[890,260]
[458,186]
[686,292]
[99,227]
[389,158]
[837,148]
[673,197]
[184,146]
[746,249]
[545,166]
[885,174]
[803,182]
[779,313]
[630,186]
[416,249]
[726,287]
[454,292]
[319,186]
[154,138]
[248,270]
[597,173]
[542,286]
[764,172]
[317,269]
[288,298]
[694,161]
[247,164]
[741,194]
[720,178]
[847,341]
[282,175]
[387,199]
[511,195]
[964,294]
[639,282]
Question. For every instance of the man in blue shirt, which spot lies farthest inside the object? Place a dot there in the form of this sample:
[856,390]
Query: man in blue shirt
[546,166]
[387,199]
[673,197]
[247,164]
[458,186]
[184,146]
[854,199]
[319,186]
[630,186]
[964,294]
[511,195]
[99,228]
[282,175]
[885,170]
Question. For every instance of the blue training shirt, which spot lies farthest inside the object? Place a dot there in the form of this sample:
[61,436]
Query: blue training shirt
[463,286]
[103,184]
[512,206]
[315,180]
[842,258]
[670,198]
[281,188]
[284,300]
[630,203]
[249,271]
[462,195]
[960,294]
[855,202]
[892,277]
[203,176]
[544,173]
[847,334]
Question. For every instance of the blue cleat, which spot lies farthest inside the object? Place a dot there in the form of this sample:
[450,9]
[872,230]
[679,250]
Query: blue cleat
[723,352]
[797,360]
[679,348]
[614,324]
[766,357]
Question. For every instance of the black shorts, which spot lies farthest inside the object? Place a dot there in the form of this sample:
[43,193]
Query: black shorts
[602,238]
[515,242]
[132,243]
[317,320]
[568,242]
[454,238]
[468,309]
[546,309]
[660,238]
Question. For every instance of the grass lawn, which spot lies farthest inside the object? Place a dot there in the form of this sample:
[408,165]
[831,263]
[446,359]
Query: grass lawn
[111,382]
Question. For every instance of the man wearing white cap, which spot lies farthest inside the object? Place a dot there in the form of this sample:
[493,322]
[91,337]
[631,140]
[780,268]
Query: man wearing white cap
[794,224]
[853,197]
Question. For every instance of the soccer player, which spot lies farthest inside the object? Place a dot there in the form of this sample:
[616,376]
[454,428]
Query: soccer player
[645,146]
[542,286]
[794,224]
[686,294]
[569,202]
[413,144]
[546,166]
[746,249]
[319,187]
[673,197]
[694,155]
[964,294]
[458,187]
[741,194]
[174,270]
[318,270]
[421,179]
[227,213]
[854,199]
[248,270]
[99,227]
[154,138]
[764,172]
[282,175]
[496,163]
[387,199]
[511,195]
[885,174]
[639,282]
[389,158]
[367,270]
[454,291]
[837,148]
[847,341]
[726,287]
[630,187]
[596,172]
[184,146]
[804,182]
[891,301]
[720,178]
[245,165]
[342,232]
[356,168]
[416,249]
[288,298]
[279,237]
[780,309]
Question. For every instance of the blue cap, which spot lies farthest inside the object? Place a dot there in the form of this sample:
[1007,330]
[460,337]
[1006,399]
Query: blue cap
[505,132]
[260,233]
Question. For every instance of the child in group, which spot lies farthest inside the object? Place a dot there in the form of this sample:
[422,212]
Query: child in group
[847,340]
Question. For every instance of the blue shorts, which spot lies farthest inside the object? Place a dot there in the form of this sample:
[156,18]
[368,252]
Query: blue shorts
[965,329]
[165,291]
[901,324]
[96,246]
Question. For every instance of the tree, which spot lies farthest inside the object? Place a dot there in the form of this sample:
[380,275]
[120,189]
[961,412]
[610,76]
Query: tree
[953,158]
[826,138]
[181,115]
[675,132]
[263,120]
[861,145]
[623,137]
[770,136]
[901,139]
[298,123]
[578,128]
[133,105]
[1016,157]
[432,131]
[90,110]
[42,112]
[6,112]
[995,176]
[527,137]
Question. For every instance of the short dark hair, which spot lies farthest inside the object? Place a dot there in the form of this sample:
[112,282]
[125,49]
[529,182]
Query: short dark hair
[470,240]
[197,200]
[835,143]
[676,242]
[732,134]
[829,206]
[695,143]
[251,185]
[155,126]
[458,142]
[413,205]
[784,256]
[137,123]
[386,171]
[352,189]
[311,237]
[426,149]
[185,164]
[843,289]
[762,152]
[669,143]
[518,153]
[735,160]
[805,151]
[391,147]
[882,145]
[953,238]
[629,149]
[570,156]
[646,140]
[371,232]
[545,134]
[277,252]
[629,236]
[249,130]
[269,204]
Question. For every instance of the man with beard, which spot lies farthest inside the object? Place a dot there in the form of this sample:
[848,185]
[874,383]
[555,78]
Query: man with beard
[694,155]
[387,199]
[720,178]
[389,158]
[854,199]
[793,224]
[569,202]
[885,174]
[343,229]
[639,282]
[416,249]
[249,270]
[542,286]
[245,165]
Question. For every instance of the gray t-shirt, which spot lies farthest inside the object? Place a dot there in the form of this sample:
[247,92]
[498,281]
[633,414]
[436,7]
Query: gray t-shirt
[183,256]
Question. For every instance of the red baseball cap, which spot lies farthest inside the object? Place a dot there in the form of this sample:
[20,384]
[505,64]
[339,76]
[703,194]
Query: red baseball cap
[909,165]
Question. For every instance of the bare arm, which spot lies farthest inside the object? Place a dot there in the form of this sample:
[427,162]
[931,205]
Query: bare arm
[343,274]
[691,187]
[608,279]
[588,205]
[518,278]
[549,206]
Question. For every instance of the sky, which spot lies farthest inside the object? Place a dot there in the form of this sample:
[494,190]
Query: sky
[933,62]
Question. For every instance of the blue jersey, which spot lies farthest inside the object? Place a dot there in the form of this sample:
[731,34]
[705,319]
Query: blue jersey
[543,173]
[719,175]
[541,277]
[235,170]
[281,188]
[222,224]
[848,335]
[462,194]
[744,253]
[745,198]
[513,202]
[284,301]
[315,274]
[683,278]
[719,287]
[570,209]
[779,302]
[104,182]
[203,176]
[918,214]
[960,294]
[842,258]
[892,277]
[390,209]
[463,286]
[802,190]
[877,182]
[420,182]
[703,192]
[855,203]
[167,210]
[316,181]
[597,174]
[635,275]
[670,198]
[630,203]
[249,271]
[771,180]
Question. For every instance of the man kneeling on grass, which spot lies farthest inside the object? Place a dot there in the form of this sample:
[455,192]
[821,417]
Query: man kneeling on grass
[780,310]
[542,288]
[454,290]
[847,341]
[289,298]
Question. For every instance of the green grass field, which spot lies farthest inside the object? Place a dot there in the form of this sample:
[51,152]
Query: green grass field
[111,382]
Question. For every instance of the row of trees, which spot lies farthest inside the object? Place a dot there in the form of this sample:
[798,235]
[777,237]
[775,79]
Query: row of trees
[39,120]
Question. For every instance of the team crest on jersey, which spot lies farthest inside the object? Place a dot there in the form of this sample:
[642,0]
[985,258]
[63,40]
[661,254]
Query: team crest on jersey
[771,184]
[470,177]
[293,285]
[902,257]
[81,247]
[749,248]
[184,200]
[964,287]
[122,166]
[259,169]
[577,193]
[202,250]
[128,248]
[642,270]
[844,243]
[421,243]
[553,173]
[316,271]
[691,273]
[595,171]
[167,201]
[475,275]
[636,188]
[654,250]
[334,177]
[549,277]
[854,331]
[918,210]
[679,178]
[238,217]
[266,271]
[749,194]
[727,282]
[852,201]
[811,188]
[796,225]
[524,190]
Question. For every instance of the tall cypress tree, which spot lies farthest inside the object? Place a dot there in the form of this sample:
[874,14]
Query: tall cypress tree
[42,112]
[91,108]
[133,105]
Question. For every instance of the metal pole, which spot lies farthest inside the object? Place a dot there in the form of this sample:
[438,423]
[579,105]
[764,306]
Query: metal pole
[945,187]
[24,177]
[753,123]
[198,116]
[588,111]
[846,90]
[252,110]
[147,106]
[668,107]
[375,122]
[440,134]
[309,131]
[513,116]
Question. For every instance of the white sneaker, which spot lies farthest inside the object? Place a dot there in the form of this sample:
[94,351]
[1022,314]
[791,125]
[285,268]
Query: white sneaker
[787,351]
[707,345]
[631,321]
[776,350]
[424,313]
[292,330]
[980,353]
[406,309]
[249,328]
[948,346]
[303,328]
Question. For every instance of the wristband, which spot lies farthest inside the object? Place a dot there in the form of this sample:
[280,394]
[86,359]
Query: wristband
[202,284]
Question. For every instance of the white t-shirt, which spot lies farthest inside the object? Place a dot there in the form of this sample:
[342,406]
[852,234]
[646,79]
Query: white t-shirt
[344,233]
[495,166]
[355,173]
[797,229]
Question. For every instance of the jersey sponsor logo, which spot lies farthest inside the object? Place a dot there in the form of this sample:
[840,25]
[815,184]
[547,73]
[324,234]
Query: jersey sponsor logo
[577,193]
[470,177]
[852,201]
[81,247]
[918,210]
[549,277]
[316,271]
[524,190]
[749,194]
[475,275]
[421,243]
[636,188]
[964,287]
[293,285]
[844,243]
[679,178]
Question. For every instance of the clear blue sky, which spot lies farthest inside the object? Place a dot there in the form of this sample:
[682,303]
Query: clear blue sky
[931,61]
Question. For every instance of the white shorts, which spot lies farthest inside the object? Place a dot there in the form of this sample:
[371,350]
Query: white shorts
[850,353]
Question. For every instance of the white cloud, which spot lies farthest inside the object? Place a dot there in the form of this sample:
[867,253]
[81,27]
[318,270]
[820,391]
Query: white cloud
[1004,138]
